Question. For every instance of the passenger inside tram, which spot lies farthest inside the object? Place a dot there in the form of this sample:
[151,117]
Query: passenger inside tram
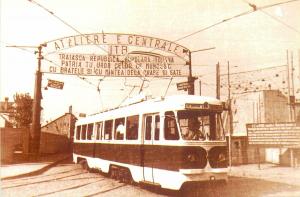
[194,131]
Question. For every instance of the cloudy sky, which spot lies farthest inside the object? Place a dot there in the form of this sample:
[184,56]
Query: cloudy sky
[255,41]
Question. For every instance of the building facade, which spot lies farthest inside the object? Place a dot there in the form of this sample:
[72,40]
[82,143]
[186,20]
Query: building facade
[267,106]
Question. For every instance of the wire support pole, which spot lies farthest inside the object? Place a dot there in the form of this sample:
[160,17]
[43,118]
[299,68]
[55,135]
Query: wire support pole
[191,79]
[36,115]
[229,117]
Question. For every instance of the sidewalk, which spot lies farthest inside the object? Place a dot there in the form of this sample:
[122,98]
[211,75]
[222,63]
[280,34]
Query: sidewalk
[269,172]
[39,165]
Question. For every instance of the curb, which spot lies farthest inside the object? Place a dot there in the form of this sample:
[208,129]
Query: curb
[36,172]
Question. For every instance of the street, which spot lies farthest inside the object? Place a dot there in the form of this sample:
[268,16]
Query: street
[68,179]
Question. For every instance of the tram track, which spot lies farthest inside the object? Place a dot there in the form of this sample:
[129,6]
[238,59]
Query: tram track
[40,176]
[43,181]
[70,188]
[107,190]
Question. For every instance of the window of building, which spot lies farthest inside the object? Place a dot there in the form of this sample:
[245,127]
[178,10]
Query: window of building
[108,129]
[83,132]
[90,131]
[170,127]
[78,130]
[132,127]
[120,128]
[99,130]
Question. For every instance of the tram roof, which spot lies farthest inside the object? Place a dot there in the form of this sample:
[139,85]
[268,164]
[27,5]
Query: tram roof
[175,102]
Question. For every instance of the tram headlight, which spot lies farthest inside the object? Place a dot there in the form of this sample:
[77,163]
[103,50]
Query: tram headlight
[221,157]
[191,157]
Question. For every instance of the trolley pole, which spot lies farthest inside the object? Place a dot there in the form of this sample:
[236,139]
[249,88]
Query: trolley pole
[36,115]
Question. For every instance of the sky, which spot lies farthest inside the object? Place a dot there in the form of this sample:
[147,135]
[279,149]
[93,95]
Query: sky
[256,41]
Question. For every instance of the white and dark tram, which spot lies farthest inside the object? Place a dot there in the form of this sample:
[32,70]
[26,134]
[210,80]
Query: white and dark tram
[146,141]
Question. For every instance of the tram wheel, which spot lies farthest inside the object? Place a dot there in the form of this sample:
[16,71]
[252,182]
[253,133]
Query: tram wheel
[84,165]
[122,174]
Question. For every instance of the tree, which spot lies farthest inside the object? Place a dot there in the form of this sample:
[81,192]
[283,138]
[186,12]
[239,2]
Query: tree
[22,110]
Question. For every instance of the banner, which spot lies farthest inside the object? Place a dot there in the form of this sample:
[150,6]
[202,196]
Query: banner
[131,65]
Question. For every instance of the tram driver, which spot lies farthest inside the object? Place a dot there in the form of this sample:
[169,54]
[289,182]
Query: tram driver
[194,131]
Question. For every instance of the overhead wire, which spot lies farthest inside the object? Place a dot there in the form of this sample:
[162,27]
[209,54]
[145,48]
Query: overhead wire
[191,34]
[233,17]
[67,24]
[271,16]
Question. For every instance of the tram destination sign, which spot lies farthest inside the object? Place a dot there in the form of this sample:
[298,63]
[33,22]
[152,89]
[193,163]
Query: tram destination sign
[131,65]
[273,134]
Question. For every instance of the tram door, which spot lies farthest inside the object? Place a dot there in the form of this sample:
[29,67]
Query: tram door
[151,133]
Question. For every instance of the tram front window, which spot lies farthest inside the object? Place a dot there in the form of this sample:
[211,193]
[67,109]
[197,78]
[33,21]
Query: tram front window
[199,125]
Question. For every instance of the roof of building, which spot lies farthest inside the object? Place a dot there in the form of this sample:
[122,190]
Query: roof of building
[58,119]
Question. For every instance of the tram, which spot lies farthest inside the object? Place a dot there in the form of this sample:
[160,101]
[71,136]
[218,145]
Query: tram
[146,141]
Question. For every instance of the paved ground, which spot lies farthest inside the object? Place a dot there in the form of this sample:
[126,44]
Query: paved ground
[35,166]
[269,180]
[69,180]
[270,172]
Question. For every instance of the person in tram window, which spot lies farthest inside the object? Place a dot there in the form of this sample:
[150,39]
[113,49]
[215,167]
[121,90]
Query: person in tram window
[194,131]
[120,131]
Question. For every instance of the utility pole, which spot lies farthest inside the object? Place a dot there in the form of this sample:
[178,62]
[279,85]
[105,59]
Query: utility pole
[35,130]
[293,88]
[288,84]
[299,65]
[218,87]
[191,79]
[229,116]
[36,115]
[200,86]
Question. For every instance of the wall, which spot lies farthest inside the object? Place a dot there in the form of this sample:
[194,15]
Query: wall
[285,157]
[10,139]
[245,109]
[242,153]
[276,107]
[52,143]
[258,107]
[56,136]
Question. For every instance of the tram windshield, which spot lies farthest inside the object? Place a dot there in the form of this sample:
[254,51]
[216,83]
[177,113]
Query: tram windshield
[200,125]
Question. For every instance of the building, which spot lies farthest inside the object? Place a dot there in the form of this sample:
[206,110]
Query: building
[267,106]
[57,135]
[6,109]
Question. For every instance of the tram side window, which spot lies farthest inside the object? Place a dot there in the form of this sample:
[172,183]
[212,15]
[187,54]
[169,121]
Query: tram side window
[83,132]
[108,129]
[98,130]
[132,127]
[119,128]
[157,127]
[148,127]
[170,131]
[90,131]
[78,130]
